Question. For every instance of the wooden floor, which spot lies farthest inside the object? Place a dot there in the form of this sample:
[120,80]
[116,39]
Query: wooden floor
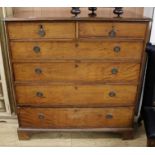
[8,137]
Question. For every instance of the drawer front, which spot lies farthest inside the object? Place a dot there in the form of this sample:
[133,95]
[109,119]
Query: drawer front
[111,29]
[81,95]
[70,71]
[37,30]
[75,117]
[80,50]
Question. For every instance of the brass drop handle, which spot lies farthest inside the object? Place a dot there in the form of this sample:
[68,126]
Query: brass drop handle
[117,49]
[39,94]
[36,49]
[114,70]
[112,94]
[41,116]
[41,31]
[112,33]
[38,71]
[109,116]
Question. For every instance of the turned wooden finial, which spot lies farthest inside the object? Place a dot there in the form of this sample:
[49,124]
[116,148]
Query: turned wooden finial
[75,11]
[118,11]
[93,9]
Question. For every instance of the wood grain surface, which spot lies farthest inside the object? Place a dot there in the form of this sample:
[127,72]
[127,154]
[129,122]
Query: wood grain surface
[101,29]
[24,30]
[76,50]
[77,71]
[75,117]
[57,12]
[76,95]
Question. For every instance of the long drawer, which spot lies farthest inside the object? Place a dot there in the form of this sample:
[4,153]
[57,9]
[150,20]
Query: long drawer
[112,29]
[76,95]
[75,117]
[76,71]
[77,50]
[44,30]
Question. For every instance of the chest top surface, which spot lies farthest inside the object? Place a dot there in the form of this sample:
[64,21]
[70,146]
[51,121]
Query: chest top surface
[63,14]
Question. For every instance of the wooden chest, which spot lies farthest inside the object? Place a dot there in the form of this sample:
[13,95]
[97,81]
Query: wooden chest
[77,74]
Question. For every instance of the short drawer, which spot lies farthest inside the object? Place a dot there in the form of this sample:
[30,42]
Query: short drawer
[76,95]
[37,30]
[77,71]
[75,117]
[77,50]
[112,29]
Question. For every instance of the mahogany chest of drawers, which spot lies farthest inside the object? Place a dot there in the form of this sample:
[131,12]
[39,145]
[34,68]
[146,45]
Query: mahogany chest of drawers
[77,74]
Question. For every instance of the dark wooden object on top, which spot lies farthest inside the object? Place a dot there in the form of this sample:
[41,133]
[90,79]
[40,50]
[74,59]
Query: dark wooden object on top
[92,9]
[75,11]
[118,11]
